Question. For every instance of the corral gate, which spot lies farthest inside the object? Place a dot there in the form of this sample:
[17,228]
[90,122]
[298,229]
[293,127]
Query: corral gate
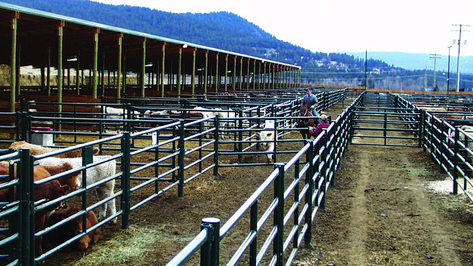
[395,124]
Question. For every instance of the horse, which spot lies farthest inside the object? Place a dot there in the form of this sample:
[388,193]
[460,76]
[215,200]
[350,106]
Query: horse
[305,123]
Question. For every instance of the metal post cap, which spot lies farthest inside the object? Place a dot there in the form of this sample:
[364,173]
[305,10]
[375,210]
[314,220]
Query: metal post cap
[211,220]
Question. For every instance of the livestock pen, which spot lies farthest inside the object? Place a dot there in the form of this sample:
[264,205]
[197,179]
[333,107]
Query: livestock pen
[174,170]
[147,160]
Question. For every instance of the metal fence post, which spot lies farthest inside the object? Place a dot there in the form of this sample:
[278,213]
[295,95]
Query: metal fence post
[421,128]
[240,137]
[125,182]
[25,129]
[210,251]
[323,172]
[87,153]
[308,196]
[351,123]
[333,155]
[216,143]
[182,154]
[455,161]
[385,129]
[254,228]
[275,141]
[278,245]
[25,194]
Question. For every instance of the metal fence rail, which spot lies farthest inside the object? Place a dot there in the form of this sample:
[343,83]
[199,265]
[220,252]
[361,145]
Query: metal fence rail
[451,147]
[165,147]
[448,144]
[312,171]
[379,119]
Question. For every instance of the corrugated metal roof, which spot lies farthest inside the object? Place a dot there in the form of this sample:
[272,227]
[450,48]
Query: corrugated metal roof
[92,25]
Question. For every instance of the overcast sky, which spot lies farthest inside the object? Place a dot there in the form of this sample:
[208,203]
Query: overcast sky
[417,26]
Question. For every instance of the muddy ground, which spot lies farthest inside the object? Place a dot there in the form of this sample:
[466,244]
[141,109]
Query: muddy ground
[382,210]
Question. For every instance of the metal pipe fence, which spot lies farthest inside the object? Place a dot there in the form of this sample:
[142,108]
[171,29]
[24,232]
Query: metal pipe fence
[379,119]
[312,171]
[154,161]
[443,137]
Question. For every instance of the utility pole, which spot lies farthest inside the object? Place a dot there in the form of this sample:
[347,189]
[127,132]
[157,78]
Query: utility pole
[366,69]
[425,79]
[448,71]
[460,28]
[435,56]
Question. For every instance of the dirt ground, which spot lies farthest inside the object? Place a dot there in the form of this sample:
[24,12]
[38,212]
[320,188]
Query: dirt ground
[382,210]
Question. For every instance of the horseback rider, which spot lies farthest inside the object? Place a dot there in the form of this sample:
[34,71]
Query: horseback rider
[310,101]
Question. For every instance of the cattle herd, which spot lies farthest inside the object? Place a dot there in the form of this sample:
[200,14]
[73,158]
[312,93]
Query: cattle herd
[65,164]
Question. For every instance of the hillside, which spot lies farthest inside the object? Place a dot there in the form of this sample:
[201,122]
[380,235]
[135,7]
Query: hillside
[231,32]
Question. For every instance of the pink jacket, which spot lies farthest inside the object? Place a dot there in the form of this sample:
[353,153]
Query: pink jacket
[315,132]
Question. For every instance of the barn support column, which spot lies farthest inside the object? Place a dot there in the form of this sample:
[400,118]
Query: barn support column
[59,65]
[194,54]
[68,76]
[270,76]
[158,71]
[267,71]
[259,75]
[48,72]
[279,77]
[124,74]
[13,61]
[42,77]
[143,70]
[287,77]
[102,75]
[248,75]
[77,73]
[283,77]
[119,66]
[179,70]
[264,76]
[18,69]
[254,75]
[240,81]
[293,78]
[109,78]
[163,62]
[171,77]
[283,81]
[234,73]
[205,71]
[95,66]
[300,76]
[217,81]
[226,73]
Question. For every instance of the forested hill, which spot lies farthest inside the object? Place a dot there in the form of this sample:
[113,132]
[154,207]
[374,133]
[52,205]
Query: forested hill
[221,30]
